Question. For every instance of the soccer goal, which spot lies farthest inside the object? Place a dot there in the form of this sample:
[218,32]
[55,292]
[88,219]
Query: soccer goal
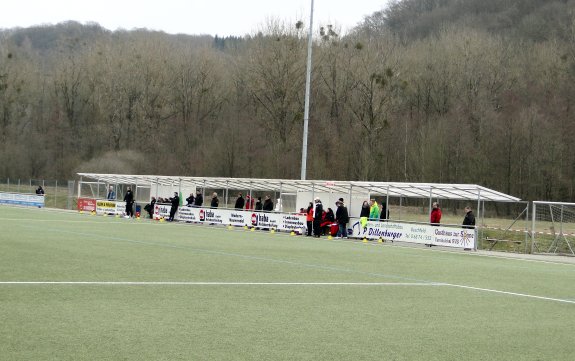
[553,228]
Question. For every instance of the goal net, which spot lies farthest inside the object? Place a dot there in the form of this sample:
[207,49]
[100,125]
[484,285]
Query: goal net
[553,228]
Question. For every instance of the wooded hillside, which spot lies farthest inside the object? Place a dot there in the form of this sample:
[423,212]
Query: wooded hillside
[462,91]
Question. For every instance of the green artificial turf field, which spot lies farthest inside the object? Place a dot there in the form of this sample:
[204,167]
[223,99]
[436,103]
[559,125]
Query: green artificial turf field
[81,287]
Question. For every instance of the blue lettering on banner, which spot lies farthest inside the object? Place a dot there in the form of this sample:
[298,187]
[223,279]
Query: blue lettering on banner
[384,233]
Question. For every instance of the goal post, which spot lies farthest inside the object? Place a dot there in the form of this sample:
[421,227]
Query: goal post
[553,228]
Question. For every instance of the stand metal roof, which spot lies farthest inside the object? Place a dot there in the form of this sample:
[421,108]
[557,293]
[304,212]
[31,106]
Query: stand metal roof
[394,189]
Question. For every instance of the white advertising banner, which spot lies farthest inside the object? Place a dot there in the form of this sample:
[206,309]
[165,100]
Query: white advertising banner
[279,221]
[390,231]
[184,214]
[161,211]
[416,233]
[30,200]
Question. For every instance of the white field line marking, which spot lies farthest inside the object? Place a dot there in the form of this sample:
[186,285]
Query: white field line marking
[415,281]
[510,293]
[176,283]
[360,284]
[352,241]
[409,246]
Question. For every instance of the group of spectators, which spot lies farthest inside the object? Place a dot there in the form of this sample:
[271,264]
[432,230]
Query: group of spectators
[198,200]
[324,222]
[128,198]
[372,211]
[435,216]
[251,203]
[319,221]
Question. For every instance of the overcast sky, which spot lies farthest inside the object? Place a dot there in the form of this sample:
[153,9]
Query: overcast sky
[221,17]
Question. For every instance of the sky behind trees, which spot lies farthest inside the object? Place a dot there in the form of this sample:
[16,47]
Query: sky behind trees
[194,17]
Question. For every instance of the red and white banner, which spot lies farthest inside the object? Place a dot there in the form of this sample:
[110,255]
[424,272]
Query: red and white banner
[86,204]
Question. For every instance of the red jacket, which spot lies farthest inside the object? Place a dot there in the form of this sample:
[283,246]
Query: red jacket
[309,217]
[435,216]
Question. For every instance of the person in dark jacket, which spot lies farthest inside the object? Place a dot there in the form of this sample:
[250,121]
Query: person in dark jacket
[329,215]
[317,217]
[215,201]
[199,199]
[175,201]
[364,215]
[342,218]
[150,207]
[240,202]
[268,205]
[384,215]
[129,199]
[111,194]
[190,200]
[259,204]
[469,220]
[327,221]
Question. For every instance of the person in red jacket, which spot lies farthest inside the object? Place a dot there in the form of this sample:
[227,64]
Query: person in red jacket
[309,218]
[435,217]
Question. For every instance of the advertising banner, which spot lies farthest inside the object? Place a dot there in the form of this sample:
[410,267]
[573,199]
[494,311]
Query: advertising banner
[161,211]
[279,221]
[86,204]
[185,214]
[110,207]
[416,233]
[30,200]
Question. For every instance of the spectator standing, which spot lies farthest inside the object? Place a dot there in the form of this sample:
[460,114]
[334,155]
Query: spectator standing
[268,205]
[175,200]
[342,218]
[129,199]
[240,202]
[317,217]
[111,194]
[190,200]
[435,216]
[259,205]
[249,202]
[384,215]
[199,199]
[364,214]
[373,210]
[309,218]
[40,191]
[215,201]
[469,220]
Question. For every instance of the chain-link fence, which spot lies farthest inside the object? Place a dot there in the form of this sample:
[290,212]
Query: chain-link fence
[57,193]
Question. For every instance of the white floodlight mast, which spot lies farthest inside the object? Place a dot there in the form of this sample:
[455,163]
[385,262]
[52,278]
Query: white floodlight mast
[307,91]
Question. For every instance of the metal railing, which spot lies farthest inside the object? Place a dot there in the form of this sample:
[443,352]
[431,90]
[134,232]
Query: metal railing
[57,193]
